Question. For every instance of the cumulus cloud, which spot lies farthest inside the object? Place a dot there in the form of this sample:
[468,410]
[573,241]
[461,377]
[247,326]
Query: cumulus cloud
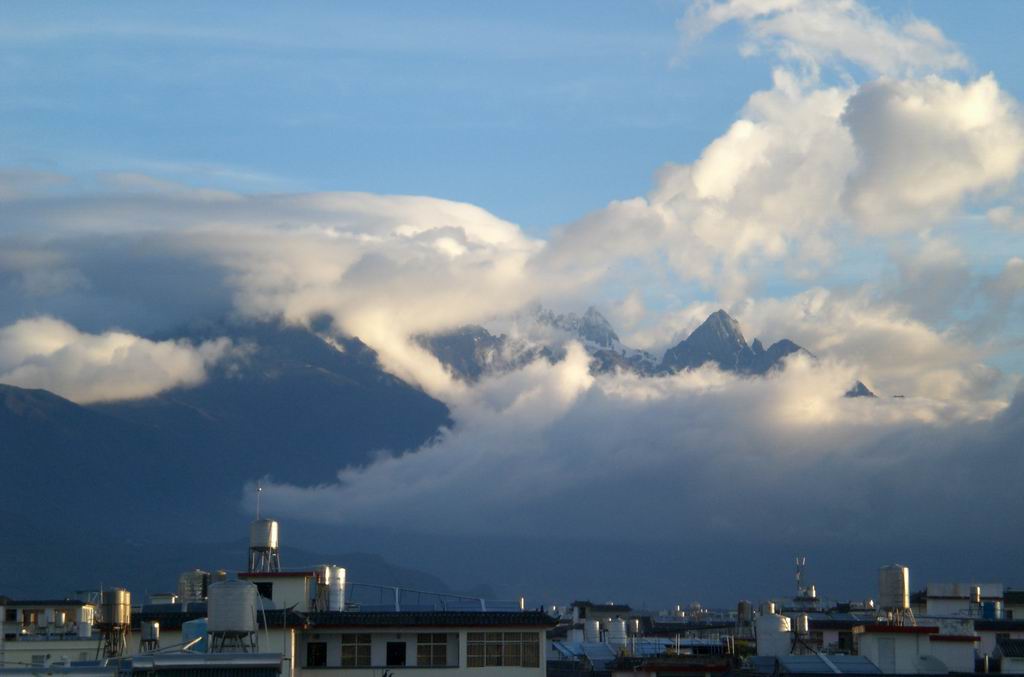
[828,32]
[925,145]
[44,352]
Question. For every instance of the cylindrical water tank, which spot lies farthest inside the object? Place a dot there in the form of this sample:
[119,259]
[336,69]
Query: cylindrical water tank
[744,612]
[150,631]
[219,575]
[263,535]
[115,607]
[976,594]
[591,630]
[336,590]
[634,626]
[812,592]
[894,587]
[85,629]
[773,635]
[802,625]
[59,618]
[231,607]
[617,632]
[767,608]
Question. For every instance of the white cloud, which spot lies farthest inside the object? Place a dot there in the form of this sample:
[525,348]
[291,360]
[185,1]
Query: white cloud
[926,145]
[820,33]
[551,438]
[44,352]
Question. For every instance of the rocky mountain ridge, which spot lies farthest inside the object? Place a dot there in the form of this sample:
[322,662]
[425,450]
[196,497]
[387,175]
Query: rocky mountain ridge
[471,352]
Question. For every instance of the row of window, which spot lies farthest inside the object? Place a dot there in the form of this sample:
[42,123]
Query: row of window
[431,651]
[483,649]
[516,649]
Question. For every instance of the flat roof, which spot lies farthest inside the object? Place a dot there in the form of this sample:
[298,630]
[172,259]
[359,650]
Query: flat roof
[425,619]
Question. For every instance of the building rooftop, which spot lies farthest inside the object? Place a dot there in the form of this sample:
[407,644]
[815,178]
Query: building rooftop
[815,665]
[1011,648]
[396,619]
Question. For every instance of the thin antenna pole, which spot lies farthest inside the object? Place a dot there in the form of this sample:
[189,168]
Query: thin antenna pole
[259,491]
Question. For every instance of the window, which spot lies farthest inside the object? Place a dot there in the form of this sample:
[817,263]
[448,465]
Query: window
[316,654]
[11,615]
[396,654]
[266,589]
[355,651]
[431,649]
[510,649]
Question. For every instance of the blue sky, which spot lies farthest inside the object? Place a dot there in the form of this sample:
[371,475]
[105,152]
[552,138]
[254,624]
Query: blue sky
[536,111]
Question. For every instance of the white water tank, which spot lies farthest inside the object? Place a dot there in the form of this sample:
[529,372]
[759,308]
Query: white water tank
[336,590]
[592,630]
[894,587]
[617,632]
[85,629]
[803,625]
[231,608]
[773,635]
[767,608]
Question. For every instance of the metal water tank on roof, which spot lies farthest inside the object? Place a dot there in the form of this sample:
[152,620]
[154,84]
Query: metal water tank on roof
[744,612]
[773,635]
[263,534]
[591,630]
[617,633]
[894,587]
[231,608]
[115,608]
[767,608]
[150,631]
[336,590]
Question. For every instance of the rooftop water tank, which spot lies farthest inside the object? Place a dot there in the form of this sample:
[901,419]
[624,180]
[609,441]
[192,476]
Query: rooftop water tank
[591,630]
[115,608]
[231,608]
[894,587]
[773,635]
[150,631]
[767,608]
[263,535]
[617,633]
[744,612]
[336,590]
